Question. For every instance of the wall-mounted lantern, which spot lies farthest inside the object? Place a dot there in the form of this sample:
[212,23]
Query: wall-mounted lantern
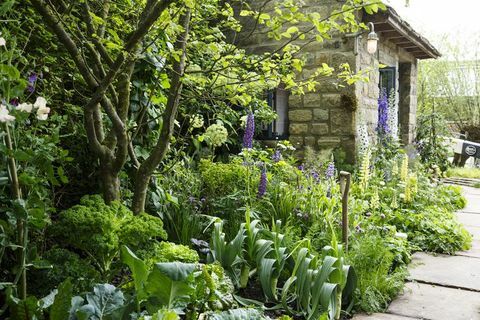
[372,39]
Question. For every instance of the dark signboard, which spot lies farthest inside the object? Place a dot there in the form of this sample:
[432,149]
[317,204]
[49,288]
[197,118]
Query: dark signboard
[472,150]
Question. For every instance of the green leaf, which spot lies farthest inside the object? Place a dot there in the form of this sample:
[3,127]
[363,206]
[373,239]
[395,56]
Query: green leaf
[169,286]
[10,71]
[138,269]
[24,309]
[104,300]
[21,155]
[63,301]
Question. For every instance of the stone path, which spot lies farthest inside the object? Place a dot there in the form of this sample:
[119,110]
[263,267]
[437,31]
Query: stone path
[442,287]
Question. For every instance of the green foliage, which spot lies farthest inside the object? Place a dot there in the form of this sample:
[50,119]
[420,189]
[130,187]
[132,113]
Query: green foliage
[472,173]
[98,230]
[237,314]
[377,283]
[221,179]
[179,286]
[168,252]
[64,264]
[432,141]
[105,302]
[61,306]
[314,285]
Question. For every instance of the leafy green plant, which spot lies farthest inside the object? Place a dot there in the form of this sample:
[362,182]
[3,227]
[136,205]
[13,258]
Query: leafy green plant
[168,285]
[98,230]
[378,283]
[64,264]
[313,285]
[237,314]
[168,252]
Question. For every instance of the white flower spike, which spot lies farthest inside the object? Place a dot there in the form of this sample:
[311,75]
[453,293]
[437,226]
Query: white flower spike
[25,107]
[5,116]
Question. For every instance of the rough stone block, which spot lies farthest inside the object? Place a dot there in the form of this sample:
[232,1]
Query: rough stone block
[331,100]
[296,141]
[295,101]
[320,129]
[320,114]
[300,115]
[298,128]
[328,142]
[310,141]
[341,122]
[312,100]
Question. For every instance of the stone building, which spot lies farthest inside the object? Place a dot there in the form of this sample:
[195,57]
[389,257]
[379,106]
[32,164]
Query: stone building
[328,118]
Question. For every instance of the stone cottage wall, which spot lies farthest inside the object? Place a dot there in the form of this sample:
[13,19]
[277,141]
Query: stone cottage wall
[328,118]
[324,118]
[405,65]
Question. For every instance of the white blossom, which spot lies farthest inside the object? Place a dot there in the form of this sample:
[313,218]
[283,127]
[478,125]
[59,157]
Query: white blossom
[197,121]
[42,113]
[5,116]
[216,135]
[25,107]
[41,102]
[2,42]
[43,110]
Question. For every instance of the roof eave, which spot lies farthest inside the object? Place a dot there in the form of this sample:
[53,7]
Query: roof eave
[392,27]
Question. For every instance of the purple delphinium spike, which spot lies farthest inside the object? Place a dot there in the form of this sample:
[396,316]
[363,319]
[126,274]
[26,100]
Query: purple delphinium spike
[382,126]
[262,186]
[330,171]
[277,156]
[249,131]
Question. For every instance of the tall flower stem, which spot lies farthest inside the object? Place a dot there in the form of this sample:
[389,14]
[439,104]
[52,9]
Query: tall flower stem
[21,225]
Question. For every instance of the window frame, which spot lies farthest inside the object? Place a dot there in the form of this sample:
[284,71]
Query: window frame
[267,132]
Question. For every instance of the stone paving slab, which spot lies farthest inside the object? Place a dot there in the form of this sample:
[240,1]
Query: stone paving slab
[436,303]
[469,219]
[381,316]
[473,252]
[473,204]
[451,271]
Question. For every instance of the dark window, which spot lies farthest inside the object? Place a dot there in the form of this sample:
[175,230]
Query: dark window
[278,129]
[387,79]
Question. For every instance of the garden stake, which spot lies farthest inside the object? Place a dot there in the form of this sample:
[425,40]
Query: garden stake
[345,178]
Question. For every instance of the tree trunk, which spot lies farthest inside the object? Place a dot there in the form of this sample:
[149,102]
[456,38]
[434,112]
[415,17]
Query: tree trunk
[140,192]
[110,184]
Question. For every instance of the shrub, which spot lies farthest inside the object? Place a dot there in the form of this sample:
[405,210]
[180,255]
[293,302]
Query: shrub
[168,252]
[65,264]
[221,179]
[97,230]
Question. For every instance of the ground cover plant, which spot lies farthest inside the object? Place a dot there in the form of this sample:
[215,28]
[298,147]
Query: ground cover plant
[132,185]
[472,173]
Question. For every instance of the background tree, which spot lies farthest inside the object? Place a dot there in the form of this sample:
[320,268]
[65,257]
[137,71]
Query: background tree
[452,87]
[183,49]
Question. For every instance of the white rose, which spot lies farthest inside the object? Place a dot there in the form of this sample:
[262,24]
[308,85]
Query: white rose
[25,107]
[5,116]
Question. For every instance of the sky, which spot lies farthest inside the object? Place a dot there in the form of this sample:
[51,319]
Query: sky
[434,19]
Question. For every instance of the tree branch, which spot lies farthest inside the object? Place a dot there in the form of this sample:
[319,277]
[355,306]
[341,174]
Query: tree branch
[158,153]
